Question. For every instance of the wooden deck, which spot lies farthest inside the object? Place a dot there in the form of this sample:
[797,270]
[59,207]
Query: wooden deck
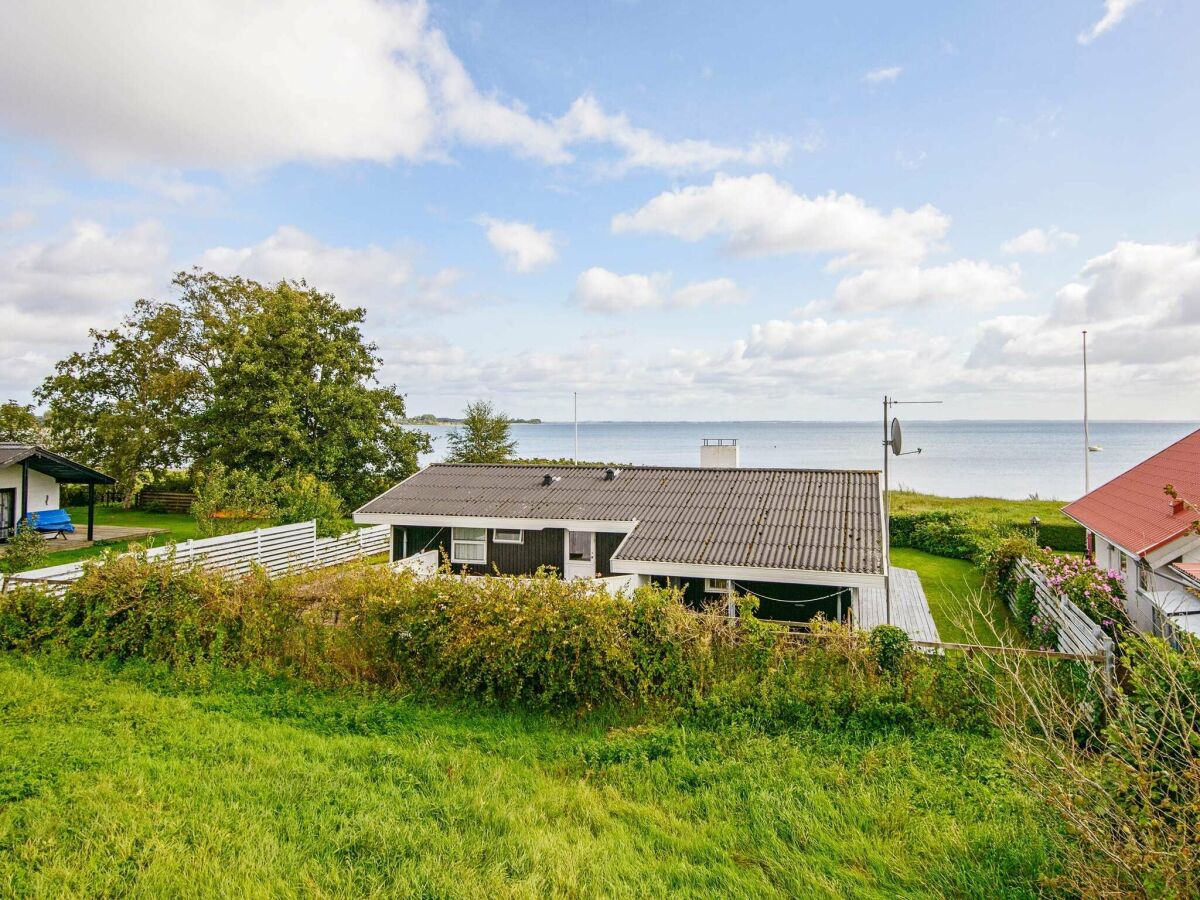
[910,608]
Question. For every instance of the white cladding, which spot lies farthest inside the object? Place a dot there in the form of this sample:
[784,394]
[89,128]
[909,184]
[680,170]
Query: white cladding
[43,490]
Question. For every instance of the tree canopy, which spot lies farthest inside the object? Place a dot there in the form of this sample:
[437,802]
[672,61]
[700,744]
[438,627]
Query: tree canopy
[270,379]
[19,424]
[483,437]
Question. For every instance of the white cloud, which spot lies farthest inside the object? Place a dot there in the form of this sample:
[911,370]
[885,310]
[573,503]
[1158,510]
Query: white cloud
[375,277]
[523,246]
[1040,240]
[815,337]
[1140,304]
[759,215]
[881,75]
[586,121]
[600,291]
[1114,12]
[221,85]
[970,283]
[89,267]
[53,291]
[1132,279]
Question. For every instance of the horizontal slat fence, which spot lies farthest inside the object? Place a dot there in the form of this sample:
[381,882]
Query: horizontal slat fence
[282,550]
[171,501]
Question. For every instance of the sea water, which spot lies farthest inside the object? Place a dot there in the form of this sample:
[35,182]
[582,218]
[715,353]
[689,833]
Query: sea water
[1014,459]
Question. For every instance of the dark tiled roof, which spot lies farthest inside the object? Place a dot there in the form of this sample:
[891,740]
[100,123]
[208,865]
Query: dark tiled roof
[1132,510]
[58,467]
[811,519]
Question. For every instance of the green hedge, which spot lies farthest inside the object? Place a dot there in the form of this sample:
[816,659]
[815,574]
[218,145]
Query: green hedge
[961,535]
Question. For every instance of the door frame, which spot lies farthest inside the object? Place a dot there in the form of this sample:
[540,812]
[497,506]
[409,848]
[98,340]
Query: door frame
[568,574]
[6,528]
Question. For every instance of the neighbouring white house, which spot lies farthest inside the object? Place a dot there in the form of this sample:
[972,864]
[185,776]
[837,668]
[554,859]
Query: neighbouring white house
[1136,528]
[29,483]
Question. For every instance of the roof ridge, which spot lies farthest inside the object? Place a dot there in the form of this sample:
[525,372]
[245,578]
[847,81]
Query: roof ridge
[599,466]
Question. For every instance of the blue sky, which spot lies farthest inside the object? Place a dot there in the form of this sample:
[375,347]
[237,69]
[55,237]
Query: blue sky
[680,210]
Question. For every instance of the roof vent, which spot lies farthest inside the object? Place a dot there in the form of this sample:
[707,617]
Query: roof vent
[1177,504]
[549,479]
[610,474]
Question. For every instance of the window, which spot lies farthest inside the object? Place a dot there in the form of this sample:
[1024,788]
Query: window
[579,548]
[508,536]
[1124,563]
[468,545]
[717,586]
[1144,580]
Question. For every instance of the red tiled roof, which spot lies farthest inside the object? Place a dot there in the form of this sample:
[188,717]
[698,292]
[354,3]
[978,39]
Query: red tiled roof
[1191,570]
[1132,510]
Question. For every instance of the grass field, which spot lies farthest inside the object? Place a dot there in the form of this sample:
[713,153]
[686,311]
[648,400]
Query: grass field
[1017,512]
[128,783]
[950,585]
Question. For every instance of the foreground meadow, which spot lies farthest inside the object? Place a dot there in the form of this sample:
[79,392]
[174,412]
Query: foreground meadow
[135,780]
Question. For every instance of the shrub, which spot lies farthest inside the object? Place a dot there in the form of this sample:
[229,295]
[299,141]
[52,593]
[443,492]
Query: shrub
[25,550]
[944,533]
[538,642]
[1123,773]
[302,497]
[890,646]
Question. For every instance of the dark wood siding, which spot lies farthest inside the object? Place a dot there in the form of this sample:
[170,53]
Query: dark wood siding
[782,603]
[539,548]
[606,545]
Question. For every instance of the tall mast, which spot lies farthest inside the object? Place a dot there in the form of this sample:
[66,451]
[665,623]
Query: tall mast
[1087,443]
[575,394]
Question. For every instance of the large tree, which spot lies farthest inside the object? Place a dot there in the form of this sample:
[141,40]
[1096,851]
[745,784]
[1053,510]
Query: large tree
[124,405]
[271,379]
[19,424]
[483,437]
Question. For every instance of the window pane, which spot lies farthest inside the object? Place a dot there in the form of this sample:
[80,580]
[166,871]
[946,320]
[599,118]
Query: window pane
[470,552]
[581,545]
[507,536]
[470,534]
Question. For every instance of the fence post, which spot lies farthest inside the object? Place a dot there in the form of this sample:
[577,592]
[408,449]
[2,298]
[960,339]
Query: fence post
[361,552]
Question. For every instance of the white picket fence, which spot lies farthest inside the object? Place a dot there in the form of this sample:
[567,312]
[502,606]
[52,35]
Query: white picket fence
[282,550]
[1077,632]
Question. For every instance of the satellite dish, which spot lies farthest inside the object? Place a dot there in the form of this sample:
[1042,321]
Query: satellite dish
[897,441]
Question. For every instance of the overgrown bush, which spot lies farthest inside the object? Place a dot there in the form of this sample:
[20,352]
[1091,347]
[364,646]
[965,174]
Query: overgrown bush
[890,646]
[25,550]
[539,642]
[1123,771]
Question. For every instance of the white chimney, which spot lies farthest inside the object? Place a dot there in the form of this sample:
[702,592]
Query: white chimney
[719,453]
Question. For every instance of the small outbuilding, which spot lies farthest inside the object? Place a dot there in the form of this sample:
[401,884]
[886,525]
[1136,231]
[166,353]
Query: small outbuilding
[29,483]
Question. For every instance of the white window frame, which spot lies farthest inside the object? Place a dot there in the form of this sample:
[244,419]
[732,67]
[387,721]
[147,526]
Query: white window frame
[455,540]
[496,539]
[718,586]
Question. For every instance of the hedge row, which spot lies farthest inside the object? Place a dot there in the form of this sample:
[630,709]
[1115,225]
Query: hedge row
[961,535]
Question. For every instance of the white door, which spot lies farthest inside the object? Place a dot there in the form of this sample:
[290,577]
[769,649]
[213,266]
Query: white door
[580,555]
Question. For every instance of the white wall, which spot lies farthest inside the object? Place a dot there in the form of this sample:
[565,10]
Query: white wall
[43,490]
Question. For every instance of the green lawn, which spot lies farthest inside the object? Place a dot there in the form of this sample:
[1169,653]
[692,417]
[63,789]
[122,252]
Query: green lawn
[129,783]
[951,585]
[180,527]
[1017,512]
